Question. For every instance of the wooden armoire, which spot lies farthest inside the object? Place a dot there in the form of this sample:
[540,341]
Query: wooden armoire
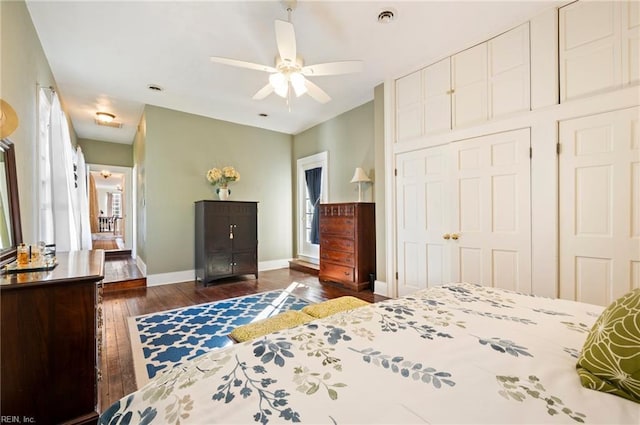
[226,239]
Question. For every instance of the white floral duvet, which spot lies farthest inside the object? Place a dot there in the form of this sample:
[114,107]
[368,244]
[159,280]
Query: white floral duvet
[458,353]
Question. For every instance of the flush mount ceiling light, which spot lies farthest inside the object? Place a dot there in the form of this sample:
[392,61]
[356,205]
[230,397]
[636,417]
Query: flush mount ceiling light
[105,173]
[105,117]
[386,16]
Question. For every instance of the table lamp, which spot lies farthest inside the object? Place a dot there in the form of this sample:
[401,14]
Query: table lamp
[360,177]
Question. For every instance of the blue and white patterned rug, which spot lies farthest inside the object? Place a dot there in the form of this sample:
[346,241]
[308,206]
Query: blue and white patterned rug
[162,340]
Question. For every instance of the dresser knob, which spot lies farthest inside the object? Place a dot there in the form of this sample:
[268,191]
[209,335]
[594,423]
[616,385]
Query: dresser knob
[446,236]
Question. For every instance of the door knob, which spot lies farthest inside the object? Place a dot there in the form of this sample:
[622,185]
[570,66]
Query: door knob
[446,236]
[455,236]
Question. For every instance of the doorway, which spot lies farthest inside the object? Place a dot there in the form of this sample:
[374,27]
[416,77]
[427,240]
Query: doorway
[308,249]
[110,205]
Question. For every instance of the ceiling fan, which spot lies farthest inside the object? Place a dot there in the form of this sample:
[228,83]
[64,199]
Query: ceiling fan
[289,73]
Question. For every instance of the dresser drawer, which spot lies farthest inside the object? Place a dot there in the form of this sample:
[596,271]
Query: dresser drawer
[337,226]
[344,258]
[338,244]
[333,271]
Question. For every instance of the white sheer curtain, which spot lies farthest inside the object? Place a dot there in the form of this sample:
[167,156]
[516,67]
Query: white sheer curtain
[83,201]
[45,195]
[65,212]
[63,196]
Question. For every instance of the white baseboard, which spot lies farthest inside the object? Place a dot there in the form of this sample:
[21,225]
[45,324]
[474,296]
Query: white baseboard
[381,288]
[273,264]
[141,265]
[171,277]
[190,275]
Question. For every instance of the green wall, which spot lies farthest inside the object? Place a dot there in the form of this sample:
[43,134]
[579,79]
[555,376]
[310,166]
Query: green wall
[349,140]
[178,149]
[106,153]
[353,139]
[23,66]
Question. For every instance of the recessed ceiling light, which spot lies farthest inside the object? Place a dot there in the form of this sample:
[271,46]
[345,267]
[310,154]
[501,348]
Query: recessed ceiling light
[154,87]
[386,16]
[105,117]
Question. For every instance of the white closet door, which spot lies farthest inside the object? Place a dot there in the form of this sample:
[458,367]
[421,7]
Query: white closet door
[631,42]
[509,76]
[437,97]
[599,173]
[491,211]
[590,51]
[469,80]
[421,211]
[409,107]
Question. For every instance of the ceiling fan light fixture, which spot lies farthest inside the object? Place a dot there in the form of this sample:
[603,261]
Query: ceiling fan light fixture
[105,117]
[279,83]
[298,83]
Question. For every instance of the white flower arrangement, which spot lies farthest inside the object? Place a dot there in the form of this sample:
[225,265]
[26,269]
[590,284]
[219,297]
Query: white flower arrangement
[222,177]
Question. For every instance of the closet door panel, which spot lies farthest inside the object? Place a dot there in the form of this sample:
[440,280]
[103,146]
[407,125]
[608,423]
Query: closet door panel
[631,42]
[599,206]
[437,97]
[469,81]
[491,211]
[421,188]
[409,107]
[590,52]
[509,77]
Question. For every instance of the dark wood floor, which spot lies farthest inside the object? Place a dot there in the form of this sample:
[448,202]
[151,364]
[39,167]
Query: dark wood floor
[117,362]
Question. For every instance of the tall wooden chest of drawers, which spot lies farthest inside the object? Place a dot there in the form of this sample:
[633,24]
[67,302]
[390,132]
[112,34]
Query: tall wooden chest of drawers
[347,243]
[51,337]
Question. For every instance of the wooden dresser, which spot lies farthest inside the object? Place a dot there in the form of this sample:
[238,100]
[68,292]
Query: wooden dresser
[226,239]
[347,243]
[51,336]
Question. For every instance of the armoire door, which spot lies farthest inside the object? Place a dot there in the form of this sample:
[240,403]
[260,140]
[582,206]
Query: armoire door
[463,213]
[599,175]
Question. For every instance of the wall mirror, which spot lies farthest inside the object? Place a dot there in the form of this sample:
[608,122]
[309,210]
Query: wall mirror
[10,228]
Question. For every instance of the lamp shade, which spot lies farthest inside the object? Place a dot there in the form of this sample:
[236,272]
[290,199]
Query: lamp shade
[8,119]
[360,176]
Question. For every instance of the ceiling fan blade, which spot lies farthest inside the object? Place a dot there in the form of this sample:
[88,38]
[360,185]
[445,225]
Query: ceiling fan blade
[242,64]
[263,92]
[333,68]
[286,40]
[316,92]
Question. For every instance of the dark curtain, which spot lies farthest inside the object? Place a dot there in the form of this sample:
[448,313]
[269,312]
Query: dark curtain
[313,178]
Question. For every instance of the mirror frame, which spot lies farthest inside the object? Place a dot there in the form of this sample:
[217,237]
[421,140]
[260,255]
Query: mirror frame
[9,254]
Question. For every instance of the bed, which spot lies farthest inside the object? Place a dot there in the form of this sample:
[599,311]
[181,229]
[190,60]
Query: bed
[457,353]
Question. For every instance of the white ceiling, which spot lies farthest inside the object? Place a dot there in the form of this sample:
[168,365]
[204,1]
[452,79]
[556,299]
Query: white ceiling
[104,54]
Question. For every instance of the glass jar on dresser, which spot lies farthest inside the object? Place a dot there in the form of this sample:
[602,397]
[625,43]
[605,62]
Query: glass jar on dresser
[51,341]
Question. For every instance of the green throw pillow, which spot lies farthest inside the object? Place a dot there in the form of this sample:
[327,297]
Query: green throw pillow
[610,358]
